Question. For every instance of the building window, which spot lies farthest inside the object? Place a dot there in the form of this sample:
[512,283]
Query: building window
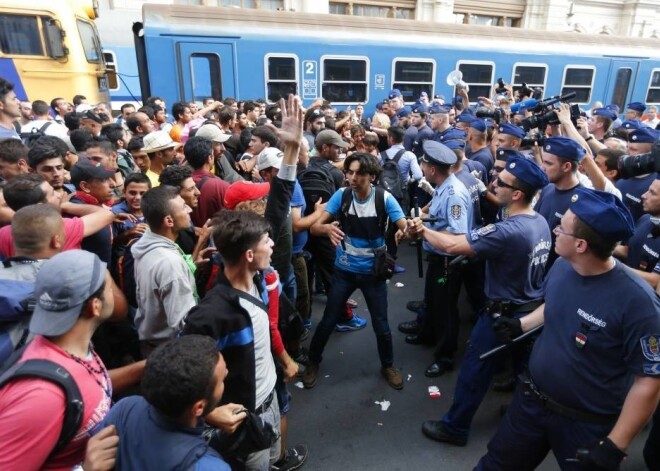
[237,3]
[479,77]
[486,20]
[401,10]
[412,77]
[111,69]
[578,79]
[281,77]
[344,79]
[653,95]
[533,75]
[19,35]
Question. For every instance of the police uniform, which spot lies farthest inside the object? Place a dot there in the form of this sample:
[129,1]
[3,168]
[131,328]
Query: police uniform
[552,203]
[483,155]
[600,331]
[452,209]
[515,251]
[644,245]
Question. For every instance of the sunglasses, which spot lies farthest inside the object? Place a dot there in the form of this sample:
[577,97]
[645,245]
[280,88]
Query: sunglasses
[502,184]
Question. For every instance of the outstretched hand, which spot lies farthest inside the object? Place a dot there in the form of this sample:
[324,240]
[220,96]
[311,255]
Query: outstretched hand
[291,131]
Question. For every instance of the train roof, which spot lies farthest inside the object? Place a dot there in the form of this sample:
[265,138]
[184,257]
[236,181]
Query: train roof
[347,30]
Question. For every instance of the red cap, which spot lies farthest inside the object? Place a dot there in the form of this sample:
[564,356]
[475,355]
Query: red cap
[245,191]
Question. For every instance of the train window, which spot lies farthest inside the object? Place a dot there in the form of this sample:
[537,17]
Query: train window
[344,79]
[205,76]
[19,34]
[653,95]
[479,77]
[412,77]
[281,76]
[578,79]
[621,86]
[90,41]
[533,75]
[111,69]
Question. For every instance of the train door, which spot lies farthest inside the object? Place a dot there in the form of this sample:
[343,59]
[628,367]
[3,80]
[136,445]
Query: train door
[206,70]
[621,81]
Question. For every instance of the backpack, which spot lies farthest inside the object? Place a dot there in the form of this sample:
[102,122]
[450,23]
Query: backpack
[50,371]
[16,306]
[316,182]
[125,272]
[28,138]
[390,177]
[381,212]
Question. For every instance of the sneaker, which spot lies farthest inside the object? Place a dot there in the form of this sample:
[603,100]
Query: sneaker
[356,323]
[311,372]
[293,459]
[352,303]
[392,376]
[305,334]
[398,269]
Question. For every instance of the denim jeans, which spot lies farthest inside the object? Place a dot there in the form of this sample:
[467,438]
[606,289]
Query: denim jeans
[343,284]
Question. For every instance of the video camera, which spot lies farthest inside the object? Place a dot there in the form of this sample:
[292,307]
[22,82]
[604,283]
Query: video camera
[501,86]
[635,165]
[496,115]
[544,112]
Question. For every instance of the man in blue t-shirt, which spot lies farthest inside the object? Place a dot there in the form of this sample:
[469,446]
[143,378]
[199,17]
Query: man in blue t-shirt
[594,372]
[182,384]
[358,232]
[516,251]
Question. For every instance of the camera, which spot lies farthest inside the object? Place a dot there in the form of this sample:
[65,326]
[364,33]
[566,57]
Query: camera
[635,165]
[545,113]
[533,139]
[496,115]
[500,88]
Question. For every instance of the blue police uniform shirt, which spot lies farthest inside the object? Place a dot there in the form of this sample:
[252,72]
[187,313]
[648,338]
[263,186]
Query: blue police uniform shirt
[485,157]
[472,185]
[599,332]
[643,248]
[298,201]
[632,190]
[421,136]
[452,207]
[409,137]
[358,256]
[473,165]
[516,252]
[438,135]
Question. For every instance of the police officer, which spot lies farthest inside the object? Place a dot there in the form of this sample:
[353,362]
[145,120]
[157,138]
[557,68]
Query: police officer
[452,208]
[561,157]
[422,132]
[595,369]
[516,251]
[510,135]
[439,120]
[477,138]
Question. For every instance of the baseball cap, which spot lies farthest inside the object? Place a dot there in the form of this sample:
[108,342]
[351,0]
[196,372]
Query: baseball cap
[86,170]
[329,137]
[158,140]
[63,285]
[244,191]
[213,133]
[269,157]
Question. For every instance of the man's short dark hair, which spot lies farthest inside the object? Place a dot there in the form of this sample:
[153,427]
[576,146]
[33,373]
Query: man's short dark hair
[229,101]
[114,132]
[40,108]
[72,120]
[197,151]
[611,157]
[396,133]
[132,122]
[102,143]
[368,163]
[52,141]
[148,110]
[126,105]
[24,190]
[53,103]
[174,175]
[152,100]
[135,143]
[235,232]
[33,225]
[249,105]
[528,191]
[225,115]
[274,113]
[39,153]
[78,99]
[178,109]
[180,373]
[265,134]
[370,139]
[601,248]
[13,150]
[80,139]
[312,114]
[155,204]
[136,177]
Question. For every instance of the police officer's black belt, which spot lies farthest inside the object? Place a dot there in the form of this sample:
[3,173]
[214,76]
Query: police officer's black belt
[434,257]
[506,308]
[581,416]
[266,404]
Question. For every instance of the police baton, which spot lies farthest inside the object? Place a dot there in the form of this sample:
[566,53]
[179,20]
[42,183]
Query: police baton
[518,339]
[420,262]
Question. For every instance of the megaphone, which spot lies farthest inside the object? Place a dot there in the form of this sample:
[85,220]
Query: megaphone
[455,79]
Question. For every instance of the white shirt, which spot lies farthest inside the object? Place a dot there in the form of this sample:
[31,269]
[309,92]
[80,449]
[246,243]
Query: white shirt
[55,129]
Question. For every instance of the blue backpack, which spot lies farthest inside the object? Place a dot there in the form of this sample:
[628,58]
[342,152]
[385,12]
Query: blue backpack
[16,306]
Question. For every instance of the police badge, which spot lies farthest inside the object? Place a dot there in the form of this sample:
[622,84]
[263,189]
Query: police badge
[456,211]
[651,347]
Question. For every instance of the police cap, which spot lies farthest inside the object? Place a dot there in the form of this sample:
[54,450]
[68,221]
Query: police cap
[438,154]
[505,153]
[420,108]
[454,144]
[527,171]
[439,109]
[512,130]
[453,133]
[604,112]
[465,117]
[403,112]
[564,147]
[394,93]
[644,135]
[604,213]
[637,106]
[479,125]
[632,124]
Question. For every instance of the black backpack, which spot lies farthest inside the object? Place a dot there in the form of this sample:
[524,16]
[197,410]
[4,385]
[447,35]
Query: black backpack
[390,177]
[381,212]
[50,371]
[316,182]
[29,137]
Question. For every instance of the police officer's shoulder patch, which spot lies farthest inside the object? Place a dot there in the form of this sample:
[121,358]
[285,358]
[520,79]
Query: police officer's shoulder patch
[456,211]
[651,369]
[477,233]
[651,347]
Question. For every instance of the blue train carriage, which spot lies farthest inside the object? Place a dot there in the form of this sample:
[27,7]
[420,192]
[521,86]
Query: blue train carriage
[193,52]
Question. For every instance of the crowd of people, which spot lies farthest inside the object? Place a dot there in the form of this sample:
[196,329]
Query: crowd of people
[170,264]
